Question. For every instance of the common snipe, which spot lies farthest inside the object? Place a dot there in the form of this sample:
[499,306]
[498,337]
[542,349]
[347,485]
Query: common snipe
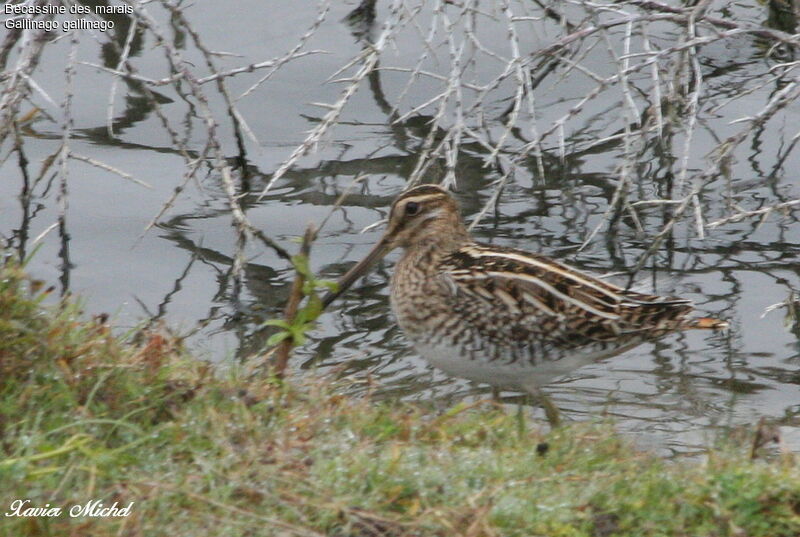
[506,317]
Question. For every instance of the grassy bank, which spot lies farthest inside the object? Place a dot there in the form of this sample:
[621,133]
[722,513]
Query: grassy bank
[86,416]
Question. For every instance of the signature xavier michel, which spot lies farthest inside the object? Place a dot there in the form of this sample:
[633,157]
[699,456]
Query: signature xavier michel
[92,508]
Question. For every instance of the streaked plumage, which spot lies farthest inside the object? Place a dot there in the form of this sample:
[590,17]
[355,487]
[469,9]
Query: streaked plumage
[502,316]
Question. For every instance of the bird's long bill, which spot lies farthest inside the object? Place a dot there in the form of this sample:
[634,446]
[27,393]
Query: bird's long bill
[361,268]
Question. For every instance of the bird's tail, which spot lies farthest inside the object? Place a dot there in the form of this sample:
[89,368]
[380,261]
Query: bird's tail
[705,323]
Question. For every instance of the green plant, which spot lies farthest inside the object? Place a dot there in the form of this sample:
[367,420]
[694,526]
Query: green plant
[303,321]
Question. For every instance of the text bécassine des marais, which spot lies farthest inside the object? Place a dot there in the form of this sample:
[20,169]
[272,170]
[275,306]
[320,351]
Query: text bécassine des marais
[57,9]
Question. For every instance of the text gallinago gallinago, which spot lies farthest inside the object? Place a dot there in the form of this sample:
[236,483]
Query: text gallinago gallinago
[506,317]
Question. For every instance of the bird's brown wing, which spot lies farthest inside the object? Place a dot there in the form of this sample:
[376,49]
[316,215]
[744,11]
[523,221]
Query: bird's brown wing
[554,298]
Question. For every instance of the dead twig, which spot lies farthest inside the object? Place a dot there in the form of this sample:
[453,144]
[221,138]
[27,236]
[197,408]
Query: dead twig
[281,357]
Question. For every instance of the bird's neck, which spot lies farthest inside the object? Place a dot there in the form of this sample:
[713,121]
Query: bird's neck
[428,250]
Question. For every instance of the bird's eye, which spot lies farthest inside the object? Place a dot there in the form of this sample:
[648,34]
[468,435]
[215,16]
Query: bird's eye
[412,208]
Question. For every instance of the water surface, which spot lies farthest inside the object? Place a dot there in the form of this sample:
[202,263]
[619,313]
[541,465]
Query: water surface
[675,394]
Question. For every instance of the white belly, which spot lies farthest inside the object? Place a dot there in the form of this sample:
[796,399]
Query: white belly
[517,375]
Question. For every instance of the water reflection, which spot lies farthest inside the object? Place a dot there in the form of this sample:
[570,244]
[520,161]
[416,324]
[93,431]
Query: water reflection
[672,392]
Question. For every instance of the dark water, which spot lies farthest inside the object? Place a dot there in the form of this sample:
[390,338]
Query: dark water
[676,394]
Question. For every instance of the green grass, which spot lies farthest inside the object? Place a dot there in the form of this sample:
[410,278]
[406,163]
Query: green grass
[86,415]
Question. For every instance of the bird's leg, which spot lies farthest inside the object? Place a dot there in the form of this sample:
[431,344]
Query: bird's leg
[550,409]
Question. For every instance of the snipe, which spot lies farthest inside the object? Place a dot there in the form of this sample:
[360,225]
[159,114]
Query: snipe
[506,317]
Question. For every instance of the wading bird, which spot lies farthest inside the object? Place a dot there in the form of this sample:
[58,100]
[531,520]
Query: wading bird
[505,317]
